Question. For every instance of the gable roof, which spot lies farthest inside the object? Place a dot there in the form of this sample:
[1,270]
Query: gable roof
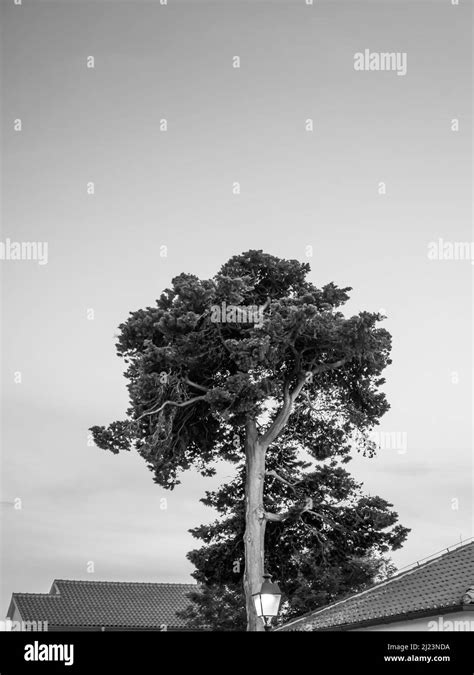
[438,584]
[116,604]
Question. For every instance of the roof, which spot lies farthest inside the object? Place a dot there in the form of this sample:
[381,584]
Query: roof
[106,604]
[434,585]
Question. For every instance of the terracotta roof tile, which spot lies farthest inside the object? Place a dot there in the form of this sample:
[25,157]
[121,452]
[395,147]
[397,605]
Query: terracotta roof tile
[435,584]
[107,603]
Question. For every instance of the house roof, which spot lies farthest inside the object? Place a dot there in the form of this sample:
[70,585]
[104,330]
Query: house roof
[437,584]
[105,604]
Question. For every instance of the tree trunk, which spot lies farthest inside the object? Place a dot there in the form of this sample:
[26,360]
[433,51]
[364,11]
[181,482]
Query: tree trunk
[254,522]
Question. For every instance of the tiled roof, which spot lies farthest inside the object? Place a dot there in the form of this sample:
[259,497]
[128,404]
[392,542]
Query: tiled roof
[106,603]
[437,584]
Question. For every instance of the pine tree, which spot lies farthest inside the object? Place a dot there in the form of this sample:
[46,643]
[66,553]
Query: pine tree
[226,367]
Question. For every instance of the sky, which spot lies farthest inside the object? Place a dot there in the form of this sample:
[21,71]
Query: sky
[384,173]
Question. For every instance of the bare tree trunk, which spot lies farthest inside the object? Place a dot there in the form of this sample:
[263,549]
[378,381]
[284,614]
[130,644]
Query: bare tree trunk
[254,537]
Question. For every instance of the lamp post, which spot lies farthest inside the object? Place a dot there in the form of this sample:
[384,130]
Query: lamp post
[267,601]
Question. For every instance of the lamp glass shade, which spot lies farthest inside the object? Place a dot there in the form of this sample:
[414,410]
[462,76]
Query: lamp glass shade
[267,602]
[270,604]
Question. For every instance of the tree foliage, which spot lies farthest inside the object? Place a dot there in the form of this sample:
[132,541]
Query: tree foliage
[193,382]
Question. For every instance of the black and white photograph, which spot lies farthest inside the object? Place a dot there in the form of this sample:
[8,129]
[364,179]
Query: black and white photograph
[236,335]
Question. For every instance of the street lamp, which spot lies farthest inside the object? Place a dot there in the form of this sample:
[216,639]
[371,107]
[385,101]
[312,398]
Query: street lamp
[267,601]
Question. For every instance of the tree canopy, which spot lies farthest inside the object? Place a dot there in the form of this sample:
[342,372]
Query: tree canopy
[193,382]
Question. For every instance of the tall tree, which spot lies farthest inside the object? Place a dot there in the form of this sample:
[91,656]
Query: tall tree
[224,367]
[333,541]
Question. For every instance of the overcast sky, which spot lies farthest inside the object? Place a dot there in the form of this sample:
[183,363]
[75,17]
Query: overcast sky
[174,188]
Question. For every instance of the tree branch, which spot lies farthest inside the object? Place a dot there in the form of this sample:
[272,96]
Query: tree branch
[280,420]
[325,519]
[197,386]
[177,405]
[322,368]
[289,397]
[281,479]
[276,517]
[221,337]
[316,533]
[280,517]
